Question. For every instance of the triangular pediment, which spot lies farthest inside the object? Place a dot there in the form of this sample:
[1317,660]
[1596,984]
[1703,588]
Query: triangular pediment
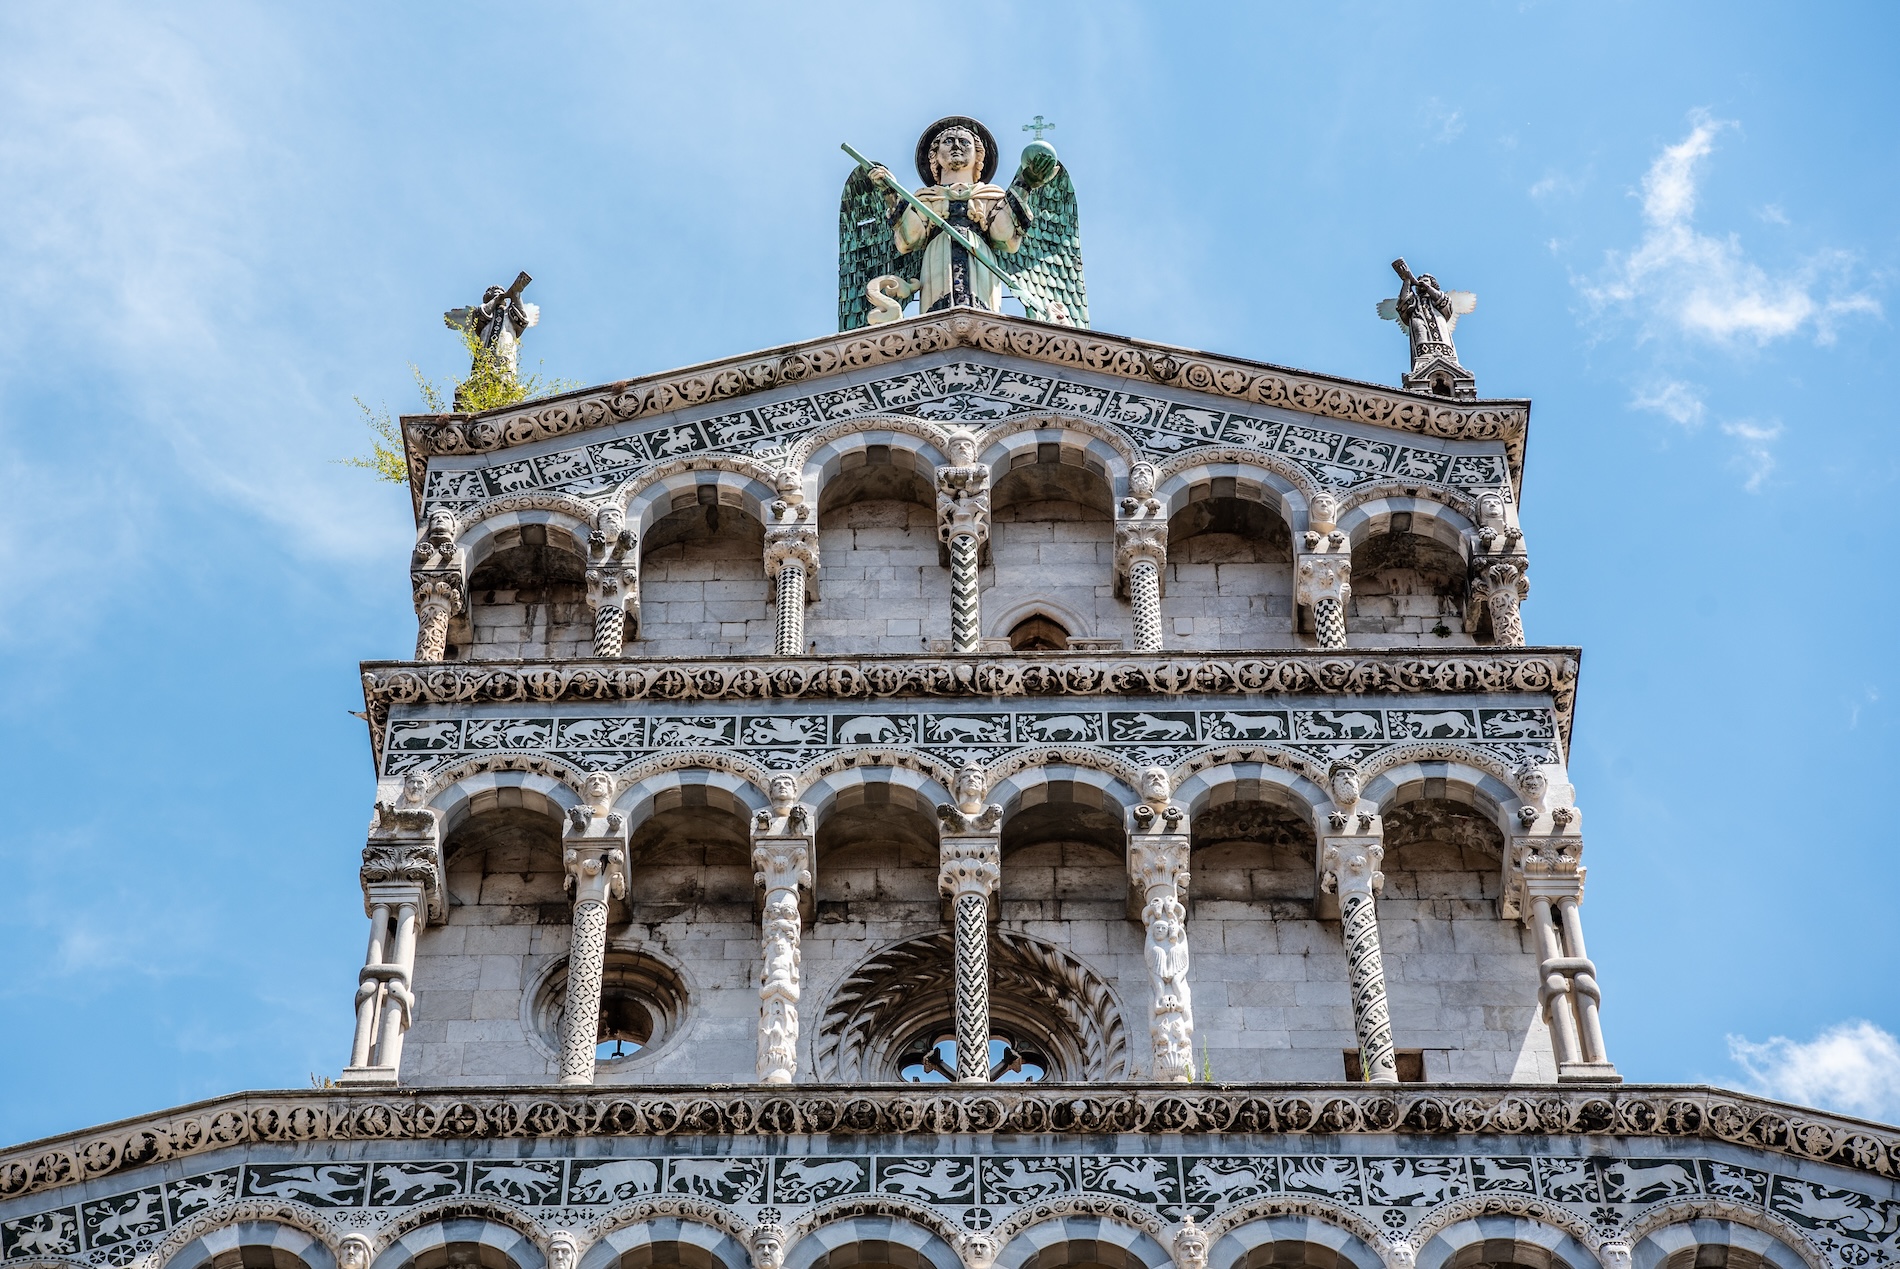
[973,368]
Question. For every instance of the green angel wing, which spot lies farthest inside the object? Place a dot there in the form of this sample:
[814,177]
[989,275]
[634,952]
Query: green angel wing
[1050,259]
[865,248]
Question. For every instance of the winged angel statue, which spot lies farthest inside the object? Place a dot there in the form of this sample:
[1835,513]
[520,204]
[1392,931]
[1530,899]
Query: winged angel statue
[1429,315]
[890,250]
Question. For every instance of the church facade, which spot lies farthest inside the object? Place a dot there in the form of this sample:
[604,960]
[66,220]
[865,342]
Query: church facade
[970,791]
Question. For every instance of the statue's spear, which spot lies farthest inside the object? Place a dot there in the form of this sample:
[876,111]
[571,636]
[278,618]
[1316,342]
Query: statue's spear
[981,252]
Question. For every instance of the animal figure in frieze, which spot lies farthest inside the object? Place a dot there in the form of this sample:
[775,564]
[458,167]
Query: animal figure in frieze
[195,1192]
[1228,1181]
[942,1180]
[333,1185]
[951,727]
[1408,1182]
[683,731]
[1321,1176]
[869,730]
[1527,725]
[722,1179]
[136,1214]
[620,1179]
[1061,727]
[1023,1182]
[1646,1182]
[1818,1207]
[778,731]
[1305,446]
[1257,727]
[1145,1179]
[401,1184]
[1343,726]
[1080,400]
[520,1182]
[48,1234]
[820,1180]
[1448,724]
[1148,727]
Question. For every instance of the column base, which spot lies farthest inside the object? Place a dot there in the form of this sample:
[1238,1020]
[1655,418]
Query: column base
[358,1075]
[1588,1073]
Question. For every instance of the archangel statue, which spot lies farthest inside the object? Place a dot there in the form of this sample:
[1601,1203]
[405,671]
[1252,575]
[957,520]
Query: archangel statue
[889,250]
[498,320]
[1430,314]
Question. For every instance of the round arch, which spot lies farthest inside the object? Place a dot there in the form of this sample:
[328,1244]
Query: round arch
[1476,780]
[1001,619]
[1078,1239]
[253,1244]
[824,454]
[1694,1240]
[483,528]
[1367,517]
[1256,477]
[721,478]
[1097,447]
[845,787]
[1504,1240]
[462,1241]
[666,1241]
[1232,781]
[1090,778]
[1293,1241]
[865,1239]
[499,790]
[719,786]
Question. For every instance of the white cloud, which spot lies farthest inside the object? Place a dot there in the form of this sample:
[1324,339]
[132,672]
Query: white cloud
[1444,122]
[1757,459]
[1703,286]
[1679,402]
[1853,1068]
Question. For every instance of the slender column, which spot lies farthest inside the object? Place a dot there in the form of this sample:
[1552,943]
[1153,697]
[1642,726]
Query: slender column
[613,591]
[596,858]
[963,525]
[781,861]
[402,891]
[1141,555]
[971,866]
[1350,855]
[1322,572]
[438,597]
[1553,988]
[1158,845]
[1501,586]
[369,990]
[1586,997]
[791,559]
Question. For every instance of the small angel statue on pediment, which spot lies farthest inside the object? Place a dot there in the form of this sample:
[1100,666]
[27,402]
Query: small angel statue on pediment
[1430,314]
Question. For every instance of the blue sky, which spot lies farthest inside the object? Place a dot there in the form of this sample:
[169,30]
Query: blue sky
[226,221]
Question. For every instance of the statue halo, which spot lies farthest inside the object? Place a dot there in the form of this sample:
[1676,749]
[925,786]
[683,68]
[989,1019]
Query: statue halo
[929,139]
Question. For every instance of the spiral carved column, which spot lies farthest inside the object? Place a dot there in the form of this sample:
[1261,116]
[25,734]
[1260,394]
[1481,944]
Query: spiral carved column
[963,524]
[791,559]
[971,855]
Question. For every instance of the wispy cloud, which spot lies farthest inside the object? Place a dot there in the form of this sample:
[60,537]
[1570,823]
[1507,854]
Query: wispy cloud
[1704,286]
[1444,123]
[1757,457]
[1853,1068]
[1681,403]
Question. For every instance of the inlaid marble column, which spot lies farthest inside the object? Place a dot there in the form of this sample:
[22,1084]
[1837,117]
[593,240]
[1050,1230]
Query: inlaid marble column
[963,525]
[1351,850]
[970,868]
[613,592]
[791,560]
[402,888]
[1141,554]
[1158,844]
[781,860]
[595,851]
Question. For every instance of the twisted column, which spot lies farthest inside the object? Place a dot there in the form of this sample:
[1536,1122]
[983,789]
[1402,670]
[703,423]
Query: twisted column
[1141,554]
[438,597]
[971,867]
[1501,587]
[963,525]
[1158,866]
[596,858]
[1586,997]
[402,889]
[791,559]
[781,862]
[1553,986]
[613,591]
[1350,855]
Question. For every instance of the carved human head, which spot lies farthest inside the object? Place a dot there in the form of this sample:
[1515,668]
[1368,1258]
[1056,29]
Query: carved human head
[599,788]
[790,484]
[563,1250]
[1141,480]
[1533,783]
[441,526]
[1156,786]
[768,1246]
[353,1252]
[969,787]
[958,153]
[1343,783]
[962,447]
[783,790]
[415,787]
[1490,508]
[1323,512]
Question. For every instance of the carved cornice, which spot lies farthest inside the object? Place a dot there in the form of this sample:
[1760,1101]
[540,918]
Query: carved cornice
[1140,361]
[1538,671]
[307,1116]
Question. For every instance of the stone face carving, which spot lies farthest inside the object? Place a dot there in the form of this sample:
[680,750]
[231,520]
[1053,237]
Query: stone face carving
[1158,844]
[563,1250]
[353,1252]
[1190,1245]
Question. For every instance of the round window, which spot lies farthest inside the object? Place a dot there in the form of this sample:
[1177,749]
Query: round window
[642,1002]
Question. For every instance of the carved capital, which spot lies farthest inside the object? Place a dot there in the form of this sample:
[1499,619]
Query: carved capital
[441,591]
[963,502]
[970,865]
[781,863]
[1322,576]
[595,852]
[404,848]
[793,542]
[1138,540]
[1158,863]
[614,586]
[981,821]
[1350,865]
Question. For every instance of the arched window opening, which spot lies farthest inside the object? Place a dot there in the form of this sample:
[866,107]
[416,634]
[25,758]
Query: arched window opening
[1039,634]
[1505,1253]
[1441,854]
[527,600]
[882,850]
[880,561]
[462,1255]
[507,857]
[689,857]
[1408,588]
[1230,573]
[1289,1254]
[1064,860]
[1257,853]
[702,542]
[932,1059]
[1052,540]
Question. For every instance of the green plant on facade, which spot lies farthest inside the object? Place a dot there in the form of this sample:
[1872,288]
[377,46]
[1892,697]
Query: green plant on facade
[489,385]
